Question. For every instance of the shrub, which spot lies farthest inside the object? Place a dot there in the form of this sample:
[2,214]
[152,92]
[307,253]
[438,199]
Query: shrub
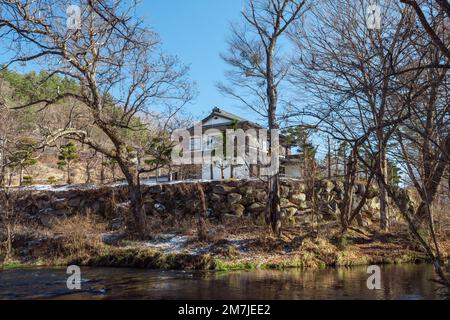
[27,180]
[52,180]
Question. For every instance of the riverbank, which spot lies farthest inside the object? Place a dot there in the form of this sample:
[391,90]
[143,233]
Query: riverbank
[86,241]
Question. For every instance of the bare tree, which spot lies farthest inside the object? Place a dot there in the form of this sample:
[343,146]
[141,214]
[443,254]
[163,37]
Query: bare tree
[349,71]
[260,70]
[383,90]
[423,148]
[437,27]
[117,64]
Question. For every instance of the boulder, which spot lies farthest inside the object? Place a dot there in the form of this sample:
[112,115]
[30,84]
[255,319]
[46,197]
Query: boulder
[47,219]
[157,189]
[160,207]
[261,196]
[230,218]
[289,212]
[285,203]
[74,202]
[298,198]
[215,198]
[238,209]
[223,189]
[328,185]
[284,191]
[257,207]
[112,238]
[117,223]
[299,188]
[234,198]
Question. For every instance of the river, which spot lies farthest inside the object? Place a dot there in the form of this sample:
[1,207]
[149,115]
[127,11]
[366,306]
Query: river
[407,282]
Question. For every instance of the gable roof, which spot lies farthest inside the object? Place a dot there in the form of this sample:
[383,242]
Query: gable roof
[217,112]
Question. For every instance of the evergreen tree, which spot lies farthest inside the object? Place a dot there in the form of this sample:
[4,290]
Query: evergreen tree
[67,155]
[23,156]
[300,137]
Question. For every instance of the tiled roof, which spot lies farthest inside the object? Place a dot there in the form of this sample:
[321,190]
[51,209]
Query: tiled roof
[221,113]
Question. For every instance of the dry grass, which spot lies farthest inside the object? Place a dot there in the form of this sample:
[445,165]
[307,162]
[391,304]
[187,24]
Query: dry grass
[80,237]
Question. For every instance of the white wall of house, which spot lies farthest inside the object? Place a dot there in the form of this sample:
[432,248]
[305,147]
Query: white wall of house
[214,121]
[239,172]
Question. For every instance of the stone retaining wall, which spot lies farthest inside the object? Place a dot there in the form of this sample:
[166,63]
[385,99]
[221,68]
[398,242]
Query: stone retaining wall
[225,200]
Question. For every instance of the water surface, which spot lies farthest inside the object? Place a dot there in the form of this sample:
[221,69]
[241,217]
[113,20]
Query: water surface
[398,282]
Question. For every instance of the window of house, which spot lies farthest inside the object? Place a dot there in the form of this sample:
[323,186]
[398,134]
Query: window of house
[211,142]
[196,144]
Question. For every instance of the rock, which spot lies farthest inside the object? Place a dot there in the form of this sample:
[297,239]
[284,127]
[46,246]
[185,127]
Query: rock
[159,207]
[59,204]
[74,202]
[261,196]
[290,212]
[47,220]
[117,223]
[215,198]
[298,188]
[366,222]
[256,207]
[248,196]
[230,218]
[60,213]
[234,198]
[238,209]
[285,203]
[298,198]
[123,209]
[155,189]
[284,191]
[328,185]
[223,189]
[112,238]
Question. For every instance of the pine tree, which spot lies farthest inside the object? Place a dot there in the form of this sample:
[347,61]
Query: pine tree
[300,136]
[67,155]
[23,156]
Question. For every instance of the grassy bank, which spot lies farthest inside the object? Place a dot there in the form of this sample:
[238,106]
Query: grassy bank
[79,241]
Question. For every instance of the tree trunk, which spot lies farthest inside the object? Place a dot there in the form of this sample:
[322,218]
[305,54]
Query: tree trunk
[384,206]
[69,180]
[201,213]
[138,226]
[273,212]
[137,208]
[88,174]
[21,176]
[329,159]
[273,206]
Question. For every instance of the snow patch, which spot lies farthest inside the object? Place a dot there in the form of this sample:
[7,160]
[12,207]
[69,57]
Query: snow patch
[59,188]
[169,243]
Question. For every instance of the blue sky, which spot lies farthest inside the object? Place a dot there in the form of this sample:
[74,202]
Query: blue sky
[196,32]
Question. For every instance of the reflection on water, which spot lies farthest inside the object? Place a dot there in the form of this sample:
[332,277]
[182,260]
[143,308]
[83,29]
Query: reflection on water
[398,282]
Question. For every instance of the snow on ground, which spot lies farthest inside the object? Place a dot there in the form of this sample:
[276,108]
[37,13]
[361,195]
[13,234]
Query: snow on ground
[59,188]
[169,243]
[172,243]
[146,182]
